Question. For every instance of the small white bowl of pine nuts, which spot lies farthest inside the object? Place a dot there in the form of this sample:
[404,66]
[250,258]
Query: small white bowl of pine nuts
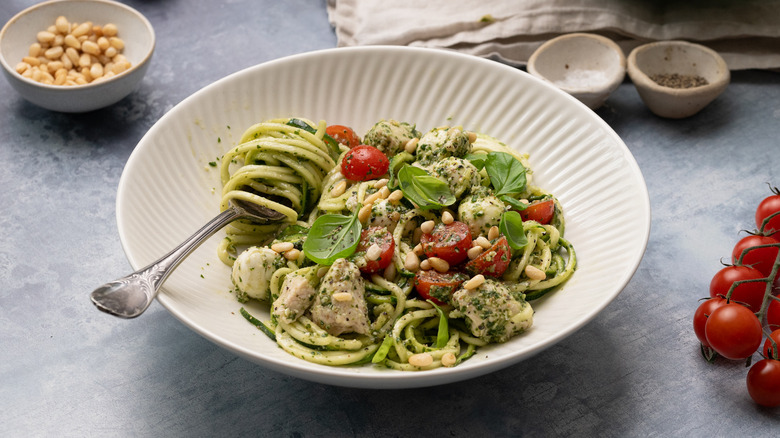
[76,56]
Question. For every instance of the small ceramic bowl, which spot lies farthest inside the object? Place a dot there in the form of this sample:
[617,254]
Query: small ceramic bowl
[587,66]
[661,70]
[20,32]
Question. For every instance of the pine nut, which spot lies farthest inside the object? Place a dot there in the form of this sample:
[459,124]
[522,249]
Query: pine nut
[81,29]
[418,249]
[31,60]
[96,71]
[110,30]
[384,192]
[342,297]
[493,233]
[474,252]
[411,262]
[292,254]
[281,247]
[534,273]
[339,189]
[448,359]
[45,36]
[475,282]
[381,183]
[440,265]
[411,145]
[395,216]
[35,50]
[62,25]
[371,198]
[420,359]
[365,213]
[396,196]
[117,43]
[472,137]
[447,218]
[483,242]
[425,265]
[322,271]
[427,227]
[374,252]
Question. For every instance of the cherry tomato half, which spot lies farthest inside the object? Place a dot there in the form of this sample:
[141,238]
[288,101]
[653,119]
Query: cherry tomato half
[770,352]
[363,163]
[539,211]
[763,382]
[449,242]
[384,240]
[436,286]
[492,262]
[752,293]
[766,208]
[733,331]
[344,135]
[760,258]
[704,310]
[773,315]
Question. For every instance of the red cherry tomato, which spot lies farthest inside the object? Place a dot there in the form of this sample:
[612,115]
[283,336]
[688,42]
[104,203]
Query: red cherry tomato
[704,310]
[363,163]
[492,262]
[763,382]
[384,240]
[759,258]
[766,208]
[539,211]
[773,315]
[436,286]
[449,242]
[344,135]
[769,351]
[752,293]
[733,331]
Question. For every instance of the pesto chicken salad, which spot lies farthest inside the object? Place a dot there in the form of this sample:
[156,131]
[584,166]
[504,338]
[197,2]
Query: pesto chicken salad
[404,249]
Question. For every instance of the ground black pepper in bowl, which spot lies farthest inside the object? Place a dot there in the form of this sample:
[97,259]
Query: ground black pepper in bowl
[675,80]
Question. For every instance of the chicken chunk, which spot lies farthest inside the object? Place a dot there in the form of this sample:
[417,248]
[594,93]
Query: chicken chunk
[492,312]
[340,304]
[296,297]
[390,136]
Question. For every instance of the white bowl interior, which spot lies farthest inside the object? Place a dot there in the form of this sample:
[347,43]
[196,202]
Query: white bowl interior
[684,59]
[580,63]
[168,190]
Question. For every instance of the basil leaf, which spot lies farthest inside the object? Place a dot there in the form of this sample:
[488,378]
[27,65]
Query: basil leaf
[511,226]
[507,173]
[395,163]
[423,189]
[331,142]
[332,237]
[478,160]
[517,205]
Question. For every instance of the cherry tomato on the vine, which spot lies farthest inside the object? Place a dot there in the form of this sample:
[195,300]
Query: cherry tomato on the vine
[449,242]
[363,163]
[763,382]
[438,287]
[760,258]
[750,293]
[733,331]
[766,208]
[539,211]
[704,310]
[383,239]
[344,135]
[769,351]
[773,315]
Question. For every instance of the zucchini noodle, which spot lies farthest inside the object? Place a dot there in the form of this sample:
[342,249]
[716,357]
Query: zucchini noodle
[292,166]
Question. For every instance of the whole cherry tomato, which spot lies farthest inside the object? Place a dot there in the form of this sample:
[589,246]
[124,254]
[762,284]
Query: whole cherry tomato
[751,293]
[763,382]
[539,211]
[760,258]
[450,242]
[769,350]
[363,163]
[704,310]
[769,206]
[384,240]
[344,135]
[733,331]
[436,286]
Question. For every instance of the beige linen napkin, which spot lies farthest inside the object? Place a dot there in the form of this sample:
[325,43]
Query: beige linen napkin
[745,32]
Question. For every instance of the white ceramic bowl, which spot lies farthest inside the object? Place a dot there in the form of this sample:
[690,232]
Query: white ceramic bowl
[168,190]
[587,66]
[20,32]
[682,58]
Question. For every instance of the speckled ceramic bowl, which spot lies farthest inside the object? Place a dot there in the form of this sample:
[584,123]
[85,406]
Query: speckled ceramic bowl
[587,66]
[20,32]
[660,70]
